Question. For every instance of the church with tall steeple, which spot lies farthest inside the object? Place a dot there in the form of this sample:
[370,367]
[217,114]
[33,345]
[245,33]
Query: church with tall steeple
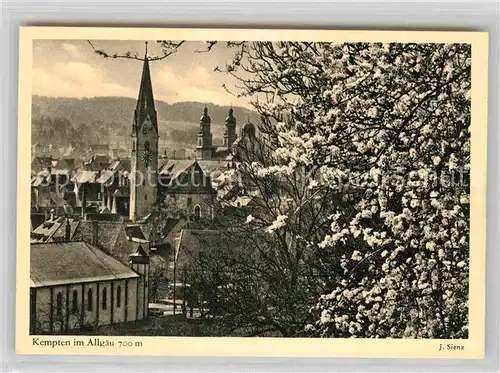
[205,149]
[144,150]
[150,181]
[230,131]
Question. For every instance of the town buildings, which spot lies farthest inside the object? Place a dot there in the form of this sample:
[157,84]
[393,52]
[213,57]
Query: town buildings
[74,285]
[97,234]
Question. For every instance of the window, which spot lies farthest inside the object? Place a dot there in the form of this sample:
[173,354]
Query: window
[145,197]
[189,201]
[59,304]
[104,299]
[197,212]
[90,300]
[118,296]
[146,146]
[74,302]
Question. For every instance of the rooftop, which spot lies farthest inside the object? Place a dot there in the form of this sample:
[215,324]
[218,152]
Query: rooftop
[71,262]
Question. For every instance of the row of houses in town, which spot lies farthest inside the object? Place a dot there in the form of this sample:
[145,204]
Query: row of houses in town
[100,230]
[53,154]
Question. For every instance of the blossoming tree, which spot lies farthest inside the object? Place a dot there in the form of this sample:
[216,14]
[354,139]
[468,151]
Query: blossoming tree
[383,128]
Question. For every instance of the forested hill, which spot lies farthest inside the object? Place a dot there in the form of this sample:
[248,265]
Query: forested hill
[106,119]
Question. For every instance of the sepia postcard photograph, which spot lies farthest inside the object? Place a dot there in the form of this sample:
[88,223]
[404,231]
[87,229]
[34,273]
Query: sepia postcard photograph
[213,192]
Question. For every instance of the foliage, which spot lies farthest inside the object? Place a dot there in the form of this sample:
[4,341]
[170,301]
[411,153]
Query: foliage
[360,189]
[387,126]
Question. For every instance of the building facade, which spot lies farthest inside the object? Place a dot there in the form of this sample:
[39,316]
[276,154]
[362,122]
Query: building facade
[77,286]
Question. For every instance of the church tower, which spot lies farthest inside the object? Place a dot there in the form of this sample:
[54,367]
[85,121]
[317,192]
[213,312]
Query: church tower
[144,154]
[230,132]
[204,147]
[139,262]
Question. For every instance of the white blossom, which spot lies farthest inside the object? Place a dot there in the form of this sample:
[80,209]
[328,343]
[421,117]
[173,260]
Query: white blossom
[280,222]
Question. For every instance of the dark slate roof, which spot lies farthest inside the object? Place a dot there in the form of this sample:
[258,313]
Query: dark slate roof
[43,161]
[70,197]
[106,177]
[122,191]
[191,179]
[150,226]
[37,219]
[139,252]
[170,224]
[53,230]
[107,232]
[65,164]
[134,231]
[71,262]
[84,176]
[101,158]
[104,217]
[192,242]
[120,165]
[173,167]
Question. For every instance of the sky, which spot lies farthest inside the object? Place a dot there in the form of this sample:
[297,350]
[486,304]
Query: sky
[71,68]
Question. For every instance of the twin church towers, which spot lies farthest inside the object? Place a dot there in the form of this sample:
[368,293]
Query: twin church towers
[144,151]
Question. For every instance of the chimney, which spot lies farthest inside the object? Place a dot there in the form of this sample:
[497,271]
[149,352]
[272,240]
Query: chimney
[52,215]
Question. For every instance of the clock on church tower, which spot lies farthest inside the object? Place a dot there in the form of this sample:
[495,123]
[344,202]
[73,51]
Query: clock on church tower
[147,155]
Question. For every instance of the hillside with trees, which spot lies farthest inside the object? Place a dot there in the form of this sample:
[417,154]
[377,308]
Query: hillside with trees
[63,121]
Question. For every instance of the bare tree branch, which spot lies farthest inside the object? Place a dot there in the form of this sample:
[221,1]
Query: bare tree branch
[168,48]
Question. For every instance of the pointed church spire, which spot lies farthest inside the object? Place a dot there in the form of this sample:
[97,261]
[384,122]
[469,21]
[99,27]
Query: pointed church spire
[205,118]
[230,118]
[230,131]
[145,102]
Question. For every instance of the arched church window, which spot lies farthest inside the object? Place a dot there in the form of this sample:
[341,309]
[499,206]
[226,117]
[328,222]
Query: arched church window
[59,304]
[74,302]
[119,296]
[146,146]
[104,301]
[90,300]
[197,212]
